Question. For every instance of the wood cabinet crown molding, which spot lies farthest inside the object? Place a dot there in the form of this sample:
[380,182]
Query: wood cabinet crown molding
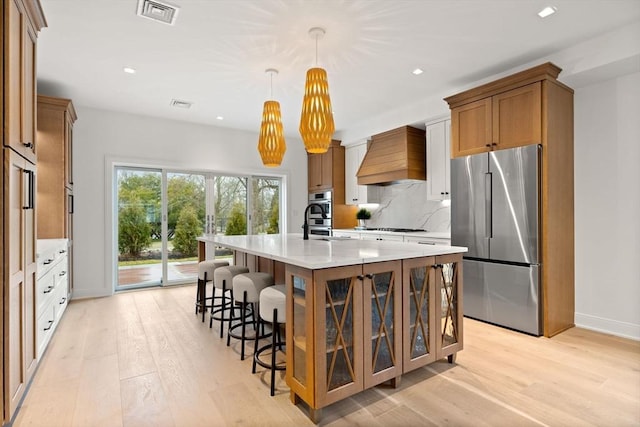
[546,71]
[35,14]
[61,103]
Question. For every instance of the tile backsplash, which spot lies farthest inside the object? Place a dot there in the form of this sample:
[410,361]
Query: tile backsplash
[406,205]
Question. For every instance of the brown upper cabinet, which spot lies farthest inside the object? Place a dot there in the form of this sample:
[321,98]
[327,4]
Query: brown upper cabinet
[503,114]
[55,181]
[326,170]
[22,21]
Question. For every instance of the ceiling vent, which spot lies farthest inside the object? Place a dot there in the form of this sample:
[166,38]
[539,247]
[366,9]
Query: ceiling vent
[180,104]
[161,12]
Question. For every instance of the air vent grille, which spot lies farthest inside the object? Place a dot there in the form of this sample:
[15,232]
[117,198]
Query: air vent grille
[161,12]
[181,104]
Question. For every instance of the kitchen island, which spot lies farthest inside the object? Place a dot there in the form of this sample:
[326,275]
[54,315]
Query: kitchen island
[359,312]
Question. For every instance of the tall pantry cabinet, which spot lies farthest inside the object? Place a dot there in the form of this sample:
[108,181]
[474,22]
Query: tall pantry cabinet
[55,180]
[22,19]
[531,107]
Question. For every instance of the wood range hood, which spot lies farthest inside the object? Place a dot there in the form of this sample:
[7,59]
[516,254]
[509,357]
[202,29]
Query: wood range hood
[395,155]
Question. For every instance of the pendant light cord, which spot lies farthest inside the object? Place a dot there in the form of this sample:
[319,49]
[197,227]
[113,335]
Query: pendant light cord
[271,89]
[316,50]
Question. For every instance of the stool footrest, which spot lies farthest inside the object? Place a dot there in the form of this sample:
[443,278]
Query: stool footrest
[258,353]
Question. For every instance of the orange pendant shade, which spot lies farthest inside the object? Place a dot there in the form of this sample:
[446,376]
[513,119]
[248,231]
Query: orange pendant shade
[316,122]
[271,145]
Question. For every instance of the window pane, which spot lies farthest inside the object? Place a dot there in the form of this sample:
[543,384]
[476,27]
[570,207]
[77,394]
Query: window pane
[265,216]
[139,227]
[230,205]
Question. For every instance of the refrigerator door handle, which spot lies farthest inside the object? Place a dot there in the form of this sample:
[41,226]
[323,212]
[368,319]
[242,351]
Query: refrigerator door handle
[487,205]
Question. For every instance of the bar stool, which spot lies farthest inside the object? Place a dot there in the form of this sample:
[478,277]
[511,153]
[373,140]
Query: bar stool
[223,280]
[246,292]
[205,274]
[272,310]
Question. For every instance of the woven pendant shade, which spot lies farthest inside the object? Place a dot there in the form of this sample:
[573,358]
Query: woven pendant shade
[271,145]
[316,122]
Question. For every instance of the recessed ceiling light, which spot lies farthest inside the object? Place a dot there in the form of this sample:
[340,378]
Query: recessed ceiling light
[417,71]
[219,118]
[549,10]
[129,70]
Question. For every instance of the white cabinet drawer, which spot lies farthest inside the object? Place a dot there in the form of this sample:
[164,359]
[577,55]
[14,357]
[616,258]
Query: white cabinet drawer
[388,237]
[45,326]
[60,300]
[48,253]
[427,240]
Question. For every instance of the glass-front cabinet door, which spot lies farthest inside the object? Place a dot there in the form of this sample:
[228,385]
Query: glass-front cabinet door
[449,313]
[419,303]
[338,305]
[382,314]
[299,334]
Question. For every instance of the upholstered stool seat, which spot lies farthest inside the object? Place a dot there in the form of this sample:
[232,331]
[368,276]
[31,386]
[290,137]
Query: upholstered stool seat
[273,305]
[223,280]
[206,271]
[246,293]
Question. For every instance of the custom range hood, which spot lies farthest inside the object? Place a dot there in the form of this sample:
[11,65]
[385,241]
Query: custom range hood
[395,155]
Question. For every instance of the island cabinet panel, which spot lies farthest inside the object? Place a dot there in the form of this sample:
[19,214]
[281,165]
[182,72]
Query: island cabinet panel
[432,309]
[419,312]
[382,315]
[449,312]
[355,344]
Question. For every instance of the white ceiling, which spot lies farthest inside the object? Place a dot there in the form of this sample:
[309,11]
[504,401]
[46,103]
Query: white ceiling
[216,54]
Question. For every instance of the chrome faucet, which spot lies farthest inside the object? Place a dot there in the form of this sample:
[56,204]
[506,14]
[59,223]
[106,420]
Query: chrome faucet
[305,226]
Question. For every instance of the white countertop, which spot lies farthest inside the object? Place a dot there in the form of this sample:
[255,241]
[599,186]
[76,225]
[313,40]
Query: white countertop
[431,234]
[325,252]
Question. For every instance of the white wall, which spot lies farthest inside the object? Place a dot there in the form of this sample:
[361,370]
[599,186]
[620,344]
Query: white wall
[607,205]
[101,136]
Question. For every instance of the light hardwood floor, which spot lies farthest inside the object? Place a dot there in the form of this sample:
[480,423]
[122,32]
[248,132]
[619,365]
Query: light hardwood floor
[145,359]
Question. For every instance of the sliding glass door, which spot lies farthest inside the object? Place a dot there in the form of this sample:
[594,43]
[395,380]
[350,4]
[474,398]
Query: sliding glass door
[160,213]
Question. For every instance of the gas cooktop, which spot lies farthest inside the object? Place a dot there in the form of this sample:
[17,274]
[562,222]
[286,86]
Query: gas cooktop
[398,230]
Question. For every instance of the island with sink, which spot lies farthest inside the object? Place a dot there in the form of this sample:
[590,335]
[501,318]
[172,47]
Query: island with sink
[359,312]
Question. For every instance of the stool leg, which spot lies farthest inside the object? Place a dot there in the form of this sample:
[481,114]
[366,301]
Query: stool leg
[255,346]
[244,324]
[203,297]
[224,304]
[273,350]
[198,295]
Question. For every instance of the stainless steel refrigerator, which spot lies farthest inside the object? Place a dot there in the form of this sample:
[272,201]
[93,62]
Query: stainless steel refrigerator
[495,200]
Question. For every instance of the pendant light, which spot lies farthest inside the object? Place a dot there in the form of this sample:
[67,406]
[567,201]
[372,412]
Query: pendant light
[316,122]
[271,145]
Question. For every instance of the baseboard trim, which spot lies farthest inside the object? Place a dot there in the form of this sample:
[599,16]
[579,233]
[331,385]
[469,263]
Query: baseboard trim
[608,326]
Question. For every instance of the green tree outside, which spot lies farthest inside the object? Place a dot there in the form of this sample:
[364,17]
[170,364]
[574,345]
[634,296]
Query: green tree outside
[237,224]
[134,232]
[188,228]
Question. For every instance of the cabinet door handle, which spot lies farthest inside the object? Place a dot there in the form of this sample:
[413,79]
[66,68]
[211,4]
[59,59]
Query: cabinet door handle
[487,145]
[426,243]
[50,322]
[48,261]
[360,277]
[63,300]
[494,144]
[30,190]
[71,207]
[49,289]
[28,145]
[62,273]
[62,251]
[369,276]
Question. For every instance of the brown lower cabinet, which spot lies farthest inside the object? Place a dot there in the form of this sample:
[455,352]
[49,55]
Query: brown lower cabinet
[351,328]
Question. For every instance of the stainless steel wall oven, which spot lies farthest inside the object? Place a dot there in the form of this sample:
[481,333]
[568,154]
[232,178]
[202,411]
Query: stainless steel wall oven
[317,224]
